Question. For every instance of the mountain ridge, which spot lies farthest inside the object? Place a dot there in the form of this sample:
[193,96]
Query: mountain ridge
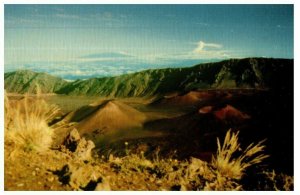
[227,74]
[26,81]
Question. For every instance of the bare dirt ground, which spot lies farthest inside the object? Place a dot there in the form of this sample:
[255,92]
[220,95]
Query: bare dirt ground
[177,127]
[62,170]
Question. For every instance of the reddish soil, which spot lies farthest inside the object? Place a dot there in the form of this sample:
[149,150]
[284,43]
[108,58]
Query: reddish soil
[229,112]
[188,99]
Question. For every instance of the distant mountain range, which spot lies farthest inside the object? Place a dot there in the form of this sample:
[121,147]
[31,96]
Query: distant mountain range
[260,73]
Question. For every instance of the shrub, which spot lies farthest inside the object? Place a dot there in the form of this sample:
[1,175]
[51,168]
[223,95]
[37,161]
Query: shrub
[26,123]
[234,167]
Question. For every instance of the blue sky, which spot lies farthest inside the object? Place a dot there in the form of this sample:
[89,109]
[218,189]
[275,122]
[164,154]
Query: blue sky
[82,41]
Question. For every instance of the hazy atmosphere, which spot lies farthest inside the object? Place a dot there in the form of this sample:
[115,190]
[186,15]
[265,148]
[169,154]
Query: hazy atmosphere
[82,41]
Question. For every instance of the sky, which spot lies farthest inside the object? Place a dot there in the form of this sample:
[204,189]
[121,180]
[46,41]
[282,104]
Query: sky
[83,41]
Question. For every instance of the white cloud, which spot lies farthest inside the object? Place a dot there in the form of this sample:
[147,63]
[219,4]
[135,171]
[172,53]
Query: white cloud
[105,57]
[202,46]
[203,51]
[208,51]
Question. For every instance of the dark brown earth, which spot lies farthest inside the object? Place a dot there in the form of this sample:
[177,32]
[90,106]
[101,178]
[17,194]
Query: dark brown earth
[187,130]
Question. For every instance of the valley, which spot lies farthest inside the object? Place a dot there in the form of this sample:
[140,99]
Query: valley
[171,113]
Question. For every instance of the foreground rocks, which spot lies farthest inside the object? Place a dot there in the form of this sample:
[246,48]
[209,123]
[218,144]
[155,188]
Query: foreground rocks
[72,168]
[80,147]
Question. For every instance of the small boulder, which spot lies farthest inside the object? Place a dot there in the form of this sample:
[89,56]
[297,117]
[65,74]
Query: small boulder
[80,147]
[103,186]
[72,140]
[84,149]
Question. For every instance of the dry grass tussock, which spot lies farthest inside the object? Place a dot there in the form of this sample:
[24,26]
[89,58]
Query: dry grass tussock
[27,129]
[234,167]
[134,171]
[223,173]
[278,181]
[26,123]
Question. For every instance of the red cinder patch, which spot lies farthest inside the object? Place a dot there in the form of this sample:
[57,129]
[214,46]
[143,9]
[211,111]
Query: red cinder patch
[205,109]
[229,112]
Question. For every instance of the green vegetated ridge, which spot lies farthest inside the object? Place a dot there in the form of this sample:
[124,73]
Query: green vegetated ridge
[24,81]
[234,73]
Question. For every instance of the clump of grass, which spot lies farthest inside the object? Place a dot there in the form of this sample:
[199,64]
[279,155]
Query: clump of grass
[278,182]
[234,167]
[26,123]
[224,172]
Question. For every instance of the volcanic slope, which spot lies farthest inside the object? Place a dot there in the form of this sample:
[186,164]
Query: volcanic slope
[105,117]
[191,98]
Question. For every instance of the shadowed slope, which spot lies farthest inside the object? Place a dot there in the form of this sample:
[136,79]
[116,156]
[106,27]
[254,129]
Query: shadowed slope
[189,99]
[259,73]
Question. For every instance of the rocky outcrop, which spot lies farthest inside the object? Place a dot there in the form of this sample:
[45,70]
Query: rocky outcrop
[79,146]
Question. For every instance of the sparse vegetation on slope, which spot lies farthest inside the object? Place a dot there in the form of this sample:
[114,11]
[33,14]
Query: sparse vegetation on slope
[25,81]
[63,170]
[234,73]
[72,166]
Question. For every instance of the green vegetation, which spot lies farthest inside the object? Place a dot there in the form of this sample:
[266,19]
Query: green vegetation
[25,81]
[234,73]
